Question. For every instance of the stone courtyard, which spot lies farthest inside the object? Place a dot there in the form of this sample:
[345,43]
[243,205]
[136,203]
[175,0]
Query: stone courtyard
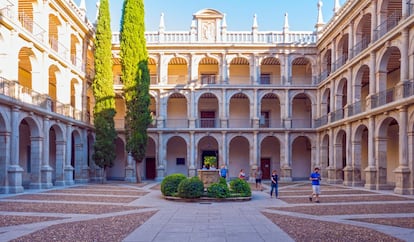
[118,211]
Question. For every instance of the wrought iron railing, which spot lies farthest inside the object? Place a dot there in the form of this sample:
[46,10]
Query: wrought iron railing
[389,23]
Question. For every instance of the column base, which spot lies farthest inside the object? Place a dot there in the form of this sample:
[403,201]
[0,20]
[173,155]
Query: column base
[130,174]
[15,175]
[46,180]
[370,177]
[402,179]
[68,170]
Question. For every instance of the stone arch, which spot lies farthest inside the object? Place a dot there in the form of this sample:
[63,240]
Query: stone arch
[150,165]
[270,153]
[340,153]
[208,110]
[239,70]
[209,70]
[389,70]
[341,99]
[26,66]
[301,71]
[361,89]
[178,70]
[177,155]
[270,115]
[239,155]
[302,111]
[57,151]
[387,151]
[153,69]
[301,157]
[117,171]
[326,101]
[359,153]
[208,152]
[324,154]
[177,115]
[270,69]
[362,34]
[239,111]
[30,151]
[76,154]
[5,136]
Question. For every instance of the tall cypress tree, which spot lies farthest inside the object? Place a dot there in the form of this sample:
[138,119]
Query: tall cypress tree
[136,79]
[103,91]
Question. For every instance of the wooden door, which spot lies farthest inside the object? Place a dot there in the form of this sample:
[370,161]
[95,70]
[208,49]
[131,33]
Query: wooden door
[150,171]
[265,165]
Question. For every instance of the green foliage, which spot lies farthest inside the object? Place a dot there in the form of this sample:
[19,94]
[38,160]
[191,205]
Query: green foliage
[136,78]
[191,188]
[169,186]
[241,187]
[102,86]
[218,190]
[223,181]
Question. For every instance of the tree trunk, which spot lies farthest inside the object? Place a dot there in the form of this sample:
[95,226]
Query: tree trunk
[138,171]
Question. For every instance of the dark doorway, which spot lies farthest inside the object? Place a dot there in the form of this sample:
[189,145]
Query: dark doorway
[265,165]
[209,158]
[150,170]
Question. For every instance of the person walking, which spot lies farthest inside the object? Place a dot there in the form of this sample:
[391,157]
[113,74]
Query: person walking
[258,176]
[315,177]
[223,171]
[274,184]
[242,175]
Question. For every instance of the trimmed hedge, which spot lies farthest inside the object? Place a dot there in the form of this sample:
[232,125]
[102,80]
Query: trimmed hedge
[240,186]
[218,190]
[191,188]
[169,186]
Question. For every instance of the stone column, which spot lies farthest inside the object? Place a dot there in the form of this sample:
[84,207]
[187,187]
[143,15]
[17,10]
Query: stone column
[36,160]
[332,166]
[130,174]
[371,170]
[15,172]
[161,158]
[287,110]
[192,171]
[68,166]
[254,156]
[348,169]
[224,118]
[5,160]
[402,172]
[191,107]
[404,57]
[60,162]
[286,174]
[46,170]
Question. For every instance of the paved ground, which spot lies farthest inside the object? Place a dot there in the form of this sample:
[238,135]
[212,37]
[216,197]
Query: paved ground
[130,212]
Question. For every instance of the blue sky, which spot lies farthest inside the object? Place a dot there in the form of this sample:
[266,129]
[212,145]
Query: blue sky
[239,13]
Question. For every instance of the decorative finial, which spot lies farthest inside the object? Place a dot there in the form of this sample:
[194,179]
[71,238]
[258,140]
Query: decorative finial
[320,22]
[162,25]
[98,4]
[286,24]
[337,6]
[82,6]
[224,22]
[255,21]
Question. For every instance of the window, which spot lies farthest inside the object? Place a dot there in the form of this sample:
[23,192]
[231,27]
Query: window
[180,161]
[208,79]
[264,120]
[265,78]
[208,119]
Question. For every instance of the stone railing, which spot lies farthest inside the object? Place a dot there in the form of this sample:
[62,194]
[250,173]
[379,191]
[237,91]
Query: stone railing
[242,37]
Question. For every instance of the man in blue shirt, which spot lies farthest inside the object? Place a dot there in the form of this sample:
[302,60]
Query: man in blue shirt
[315,177]
[223,171]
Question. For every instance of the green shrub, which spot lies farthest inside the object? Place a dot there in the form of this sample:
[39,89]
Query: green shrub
[191,188]
[218,190]
[241,187]
[169,186]
[223,181]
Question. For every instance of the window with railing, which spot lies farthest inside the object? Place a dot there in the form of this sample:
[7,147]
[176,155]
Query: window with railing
[389,23]
[265,78]
[208,79]
[207,119]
